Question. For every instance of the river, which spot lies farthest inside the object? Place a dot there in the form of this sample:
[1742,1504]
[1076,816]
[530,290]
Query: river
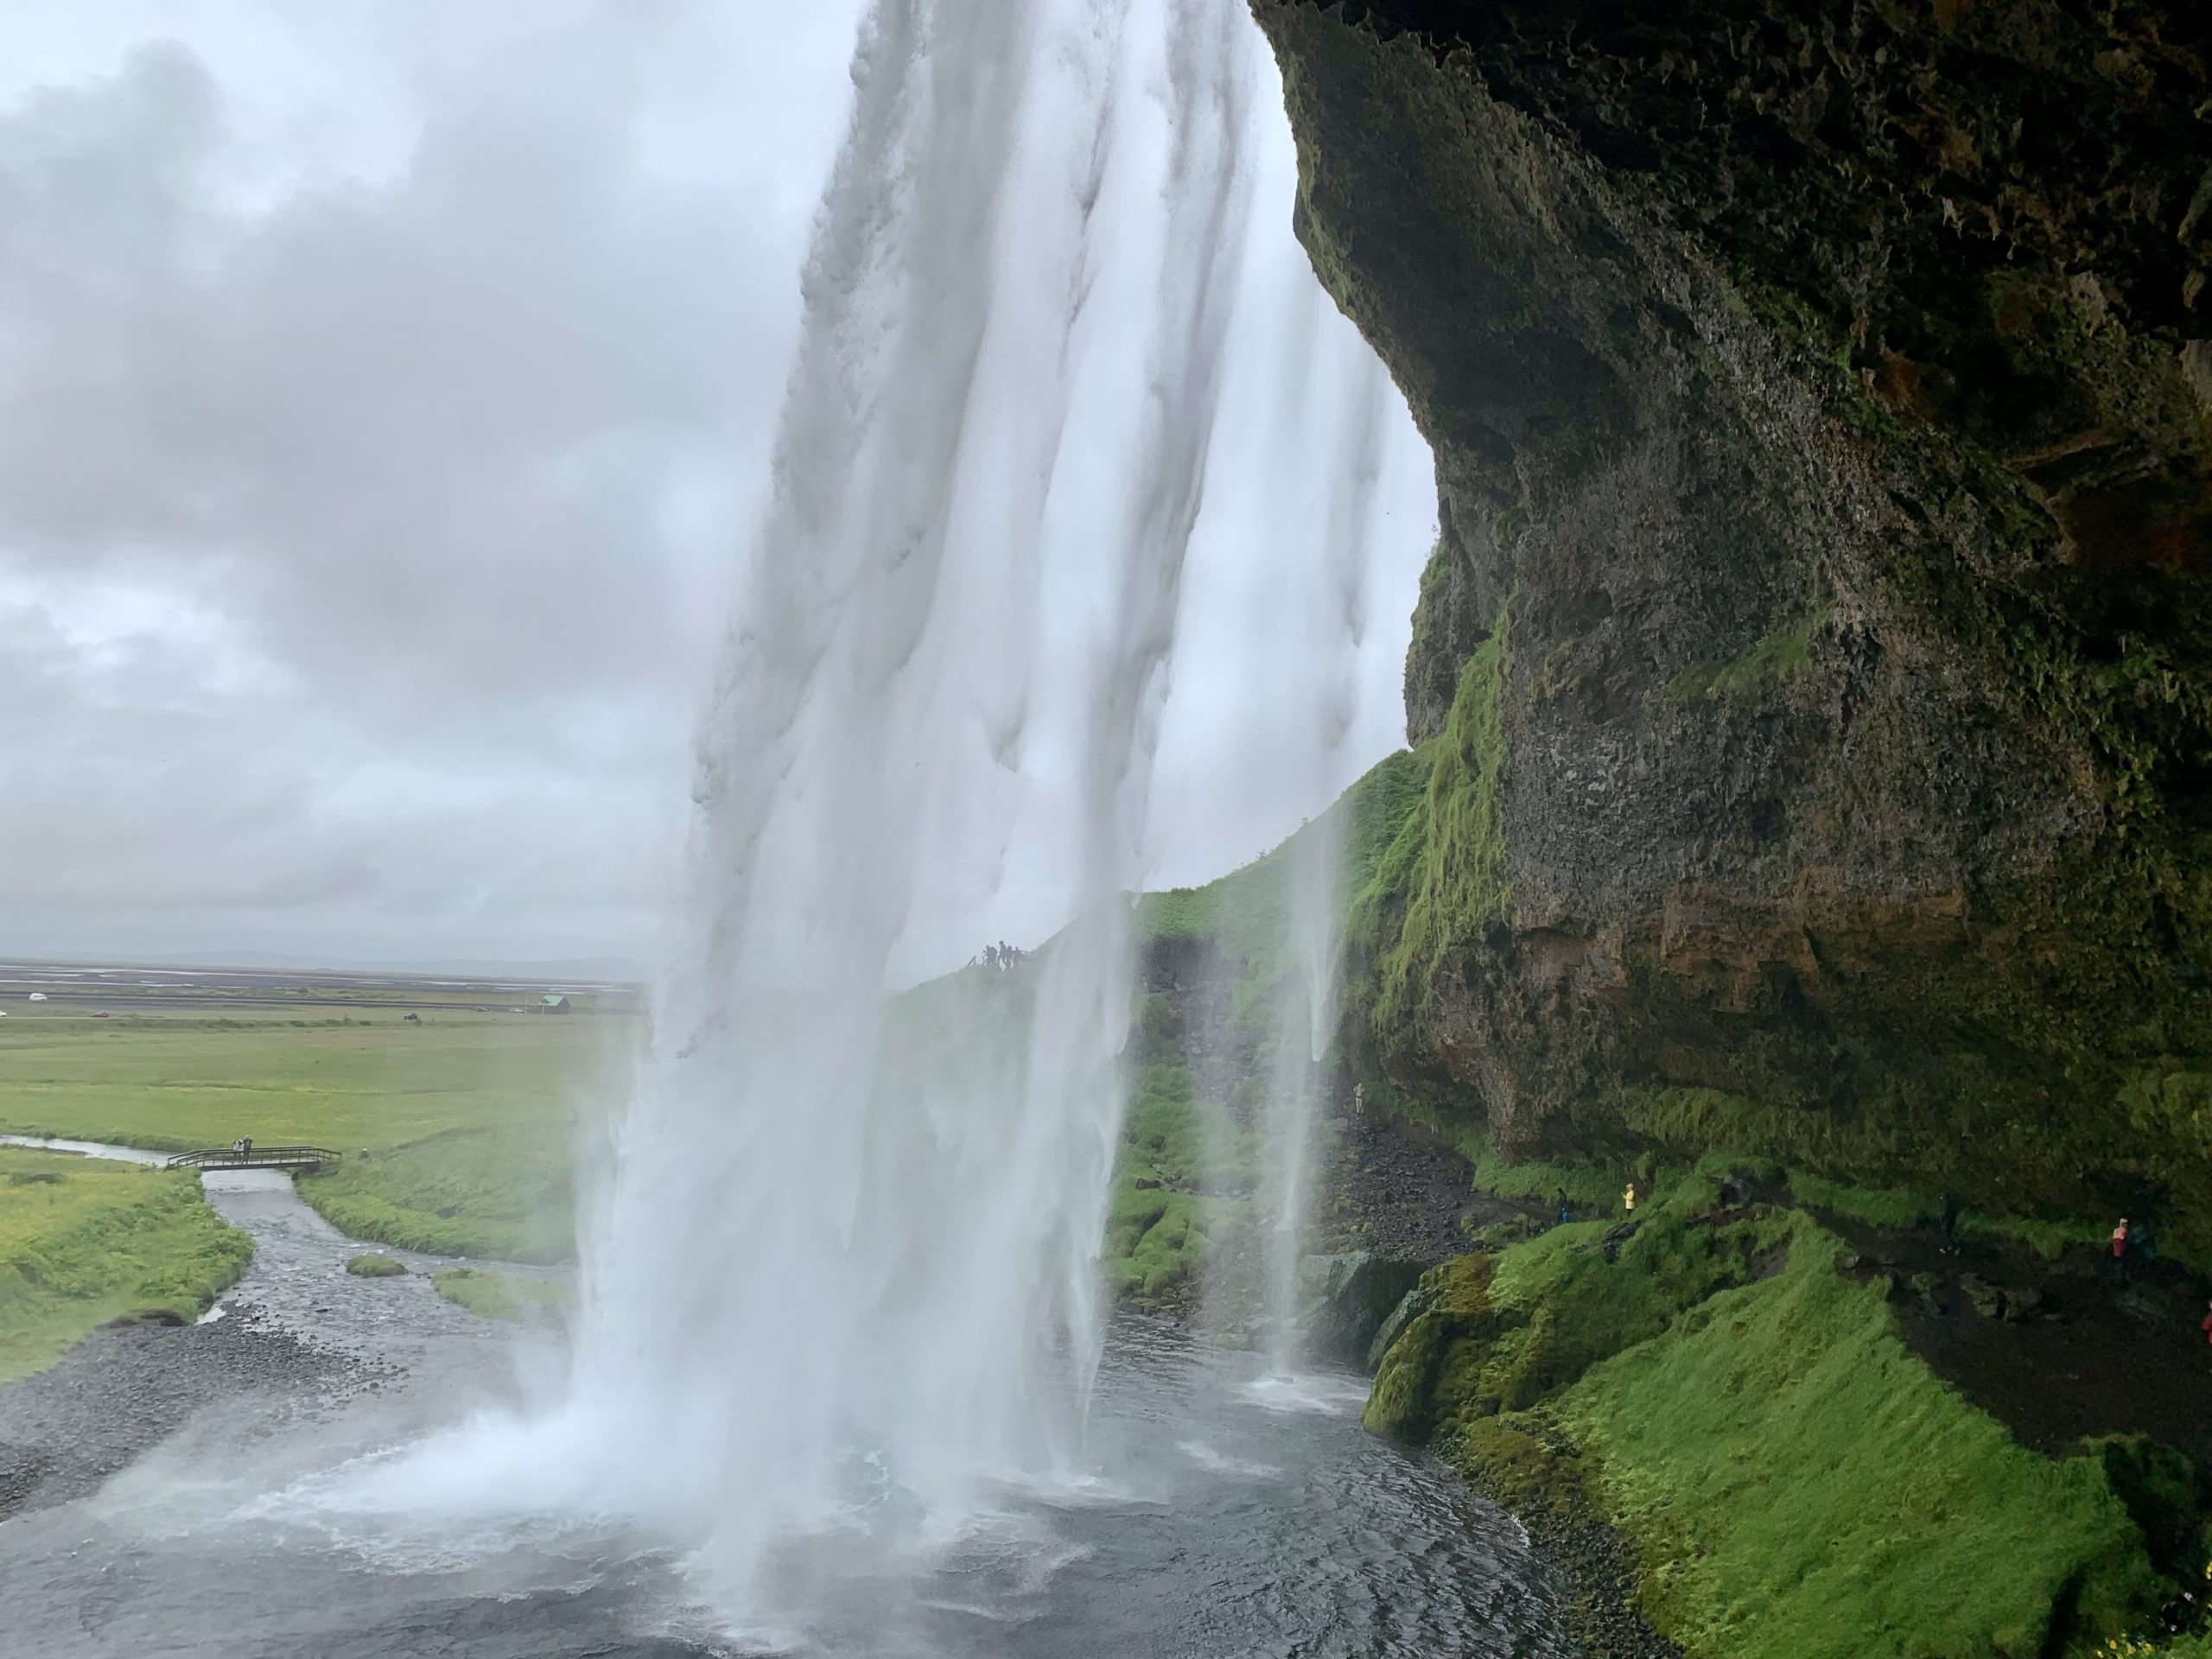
[1231,1514]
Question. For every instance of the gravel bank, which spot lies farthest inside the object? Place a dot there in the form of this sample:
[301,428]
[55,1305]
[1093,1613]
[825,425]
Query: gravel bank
[118,1393]
[1601,1615]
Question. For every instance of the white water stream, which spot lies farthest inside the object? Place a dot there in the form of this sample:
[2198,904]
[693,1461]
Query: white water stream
[1333,617]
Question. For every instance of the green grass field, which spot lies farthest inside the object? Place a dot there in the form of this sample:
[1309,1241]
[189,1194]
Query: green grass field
[457,1132]
[83,1242]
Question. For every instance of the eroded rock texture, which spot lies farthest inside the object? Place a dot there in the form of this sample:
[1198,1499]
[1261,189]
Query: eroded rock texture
[1812,666]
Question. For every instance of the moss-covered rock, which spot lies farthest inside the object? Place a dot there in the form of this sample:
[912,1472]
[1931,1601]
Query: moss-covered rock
[1812,684]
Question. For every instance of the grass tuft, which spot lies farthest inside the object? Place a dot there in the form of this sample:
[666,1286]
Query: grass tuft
[500,1296]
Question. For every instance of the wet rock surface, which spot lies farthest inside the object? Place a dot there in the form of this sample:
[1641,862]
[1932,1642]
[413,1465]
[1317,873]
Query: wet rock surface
[1600,1613]
[1814,652]
[1399,1190]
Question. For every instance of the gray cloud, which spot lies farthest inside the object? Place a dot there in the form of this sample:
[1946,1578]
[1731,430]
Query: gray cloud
[360,552]
[385,398]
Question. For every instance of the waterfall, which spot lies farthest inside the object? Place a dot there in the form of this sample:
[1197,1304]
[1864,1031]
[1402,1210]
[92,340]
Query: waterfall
[813,1297]
[839,1300]
[1353,392]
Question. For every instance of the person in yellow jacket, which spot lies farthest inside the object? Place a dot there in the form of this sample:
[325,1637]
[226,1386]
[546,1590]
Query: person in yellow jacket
[1628,1199]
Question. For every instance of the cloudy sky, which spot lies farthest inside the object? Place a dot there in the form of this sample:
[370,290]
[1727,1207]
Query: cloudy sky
[387,396]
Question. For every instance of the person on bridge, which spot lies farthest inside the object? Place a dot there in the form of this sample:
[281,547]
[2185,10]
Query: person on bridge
[246,1147]
[237,1147]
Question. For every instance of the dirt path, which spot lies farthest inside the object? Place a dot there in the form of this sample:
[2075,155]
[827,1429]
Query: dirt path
[2053,1350]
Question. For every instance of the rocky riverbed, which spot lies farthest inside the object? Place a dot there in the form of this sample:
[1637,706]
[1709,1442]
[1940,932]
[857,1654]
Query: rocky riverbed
[296,1338]
[122,1391]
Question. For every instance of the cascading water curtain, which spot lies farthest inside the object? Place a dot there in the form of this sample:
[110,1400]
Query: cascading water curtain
[809,1300]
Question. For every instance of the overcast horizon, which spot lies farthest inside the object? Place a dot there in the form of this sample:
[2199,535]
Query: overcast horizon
[392,397]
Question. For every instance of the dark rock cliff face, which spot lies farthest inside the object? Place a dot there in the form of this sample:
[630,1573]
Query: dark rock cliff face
[1813,668]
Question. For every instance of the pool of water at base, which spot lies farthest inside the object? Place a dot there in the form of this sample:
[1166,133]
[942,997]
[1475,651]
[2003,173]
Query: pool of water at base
[1233,1514]
[1244,1516]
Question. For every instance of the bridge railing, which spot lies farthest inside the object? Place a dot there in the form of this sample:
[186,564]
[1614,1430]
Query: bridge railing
[260,1157]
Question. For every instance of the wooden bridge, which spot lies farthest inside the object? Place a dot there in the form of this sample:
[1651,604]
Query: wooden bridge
[260,1157]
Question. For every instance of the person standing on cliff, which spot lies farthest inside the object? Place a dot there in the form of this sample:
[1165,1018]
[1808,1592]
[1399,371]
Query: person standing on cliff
[1559,1204]
[2207,1326]
[2120,1253]
[1628,1199]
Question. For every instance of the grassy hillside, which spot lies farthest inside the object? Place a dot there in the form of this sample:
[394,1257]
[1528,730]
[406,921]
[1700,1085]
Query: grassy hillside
[83,1242]
[1792,1481]
[456,1131]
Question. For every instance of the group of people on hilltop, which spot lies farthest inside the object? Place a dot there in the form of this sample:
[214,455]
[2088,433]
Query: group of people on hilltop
[1000,955]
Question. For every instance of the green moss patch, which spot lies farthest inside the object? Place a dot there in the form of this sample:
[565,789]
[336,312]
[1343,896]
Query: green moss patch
[1782,655]
[373,1266]
[1448,858]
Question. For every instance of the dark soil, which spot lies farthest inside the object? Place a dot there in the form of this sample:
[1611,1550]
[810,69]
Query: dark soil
[2056,1350]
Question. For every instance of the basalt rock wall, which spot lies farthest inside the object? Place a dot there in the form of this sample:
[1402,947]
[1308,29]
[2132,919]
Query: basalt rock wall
[1812,670]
